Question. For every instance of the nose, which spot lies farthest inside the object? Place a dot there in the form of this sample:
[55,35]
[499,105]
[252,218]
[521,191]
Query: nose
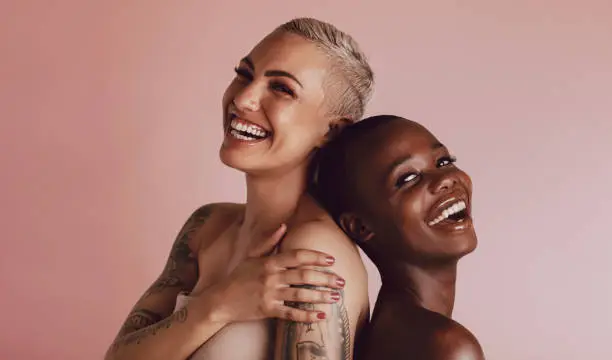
[248,99]
[444,183]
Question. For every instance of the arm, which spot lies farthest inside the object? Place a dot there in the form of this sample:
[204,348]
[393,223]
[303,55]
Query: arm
[152,330]
[333,338]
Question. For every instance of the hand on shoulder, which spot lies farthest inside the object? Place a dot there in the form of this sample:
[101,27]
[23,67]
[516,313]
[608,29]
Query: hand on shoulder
[260,286]
[321,235]
[325,236]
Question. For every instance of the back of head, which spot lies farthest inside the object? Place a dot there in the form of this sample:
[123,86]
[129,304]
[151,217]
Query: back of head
[332,184]
[352,82]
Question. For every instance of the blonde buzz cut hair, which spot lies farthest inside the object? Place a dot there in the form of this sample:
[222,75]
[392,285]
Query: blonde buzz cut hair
[352,79]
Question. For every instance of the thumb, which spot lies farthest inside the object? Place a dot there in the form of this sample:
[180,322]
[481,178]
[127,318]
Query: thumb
[268,245]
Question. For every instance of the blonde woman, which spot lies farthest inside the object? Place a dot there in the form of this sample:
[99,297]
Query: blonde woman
[231,288]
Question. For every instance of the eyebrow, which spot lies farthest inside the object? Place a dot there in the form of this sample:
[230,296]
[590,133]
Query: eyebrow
[400,161]
[272,73]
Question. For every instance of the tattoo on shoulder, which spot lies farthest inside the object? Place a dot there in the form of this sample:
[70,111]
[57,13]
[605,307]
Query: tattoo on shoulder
[151,329]
[311,341]
[182,260]
[139,319]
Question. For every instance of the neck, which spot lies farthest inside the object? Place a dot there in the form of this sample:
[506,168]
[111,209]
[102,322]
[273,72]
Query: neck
[271,200]
[431,287]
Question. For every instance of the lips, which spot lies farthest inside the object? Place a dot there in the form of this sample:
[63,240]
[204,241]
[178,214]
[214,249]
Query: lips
[453,211]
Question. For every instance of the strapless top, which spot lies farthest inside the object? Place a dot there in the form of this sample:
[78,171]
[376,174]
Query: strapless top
[250,340]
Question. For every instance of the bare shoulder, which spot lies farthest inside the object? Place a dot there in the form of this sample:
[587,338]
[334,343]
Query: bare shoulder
[218,210]
[399,332]
[319,235]
[455,342]
[312,228]
[181,270]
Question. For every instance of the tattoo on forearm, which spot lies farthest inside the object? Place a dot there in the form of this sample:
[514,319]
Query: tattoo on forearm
[182,260]
[137,336]
[308,341]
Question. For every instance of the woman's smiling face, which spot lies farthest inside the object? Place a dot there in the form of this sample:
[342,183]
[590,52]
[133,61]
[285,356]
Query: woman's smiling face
[413,197]
[274,110]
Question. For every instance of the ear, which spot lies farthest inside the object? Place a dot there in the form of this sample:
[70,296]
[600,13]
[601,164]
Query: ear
[335,127]
[355,228]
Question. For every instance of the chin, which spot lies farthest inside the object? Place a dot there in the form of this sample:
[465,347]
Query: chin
[466,243]
[233,159]
[244,154]
[238,159]
[453,248]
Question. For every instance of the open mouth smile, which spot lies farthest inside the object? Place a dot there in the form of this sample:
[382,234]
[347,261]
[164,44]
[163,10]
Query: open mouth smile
[455,211]
[245,130]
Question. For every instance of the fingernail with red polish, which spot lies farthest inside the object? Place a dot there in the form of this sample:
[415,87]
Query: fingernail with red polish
[335,296]
[321,316]
[340,282]
[330,260]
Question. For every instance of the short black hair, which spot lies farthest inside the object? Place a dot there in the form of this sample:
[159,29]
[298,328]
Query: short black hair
[332,180]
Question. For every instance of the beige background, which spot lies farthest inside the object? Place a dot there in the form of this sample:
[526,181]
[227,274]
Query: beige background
[110,123]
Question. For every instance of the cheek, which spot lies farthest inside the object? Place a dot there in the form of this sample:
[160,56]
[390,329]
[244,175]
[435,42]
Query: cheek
[414,207]
[466,180]
[295,122]
[409,213]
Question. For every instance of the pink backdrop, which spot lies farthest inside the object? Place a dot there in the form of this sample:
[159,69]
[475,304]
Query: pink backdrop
[110,124]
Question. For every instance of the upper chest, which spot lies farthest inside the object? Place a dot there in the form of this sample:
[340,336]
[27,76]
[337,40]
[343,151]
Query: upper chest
[221,252]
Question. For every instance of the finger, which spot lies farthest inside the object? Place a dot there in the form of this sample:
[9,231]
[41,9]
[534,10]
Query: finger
[268,245]
[301,257]
[309,296]
[305,316]
[311,277]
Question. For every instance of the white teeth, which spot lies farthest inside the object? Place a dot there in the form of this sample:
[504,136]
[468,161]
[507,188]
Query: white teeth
[452,209]
[251,129]
[238,135]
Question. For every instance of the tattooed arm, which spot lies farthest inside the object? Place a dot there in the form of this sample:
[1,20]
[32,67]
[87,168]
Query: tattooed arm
[152,330]
[333,338]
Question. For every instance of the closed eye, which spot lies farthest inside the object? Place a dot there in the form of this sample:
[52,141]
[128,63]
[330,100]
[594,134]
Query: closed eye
[280,87]
[243,74]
